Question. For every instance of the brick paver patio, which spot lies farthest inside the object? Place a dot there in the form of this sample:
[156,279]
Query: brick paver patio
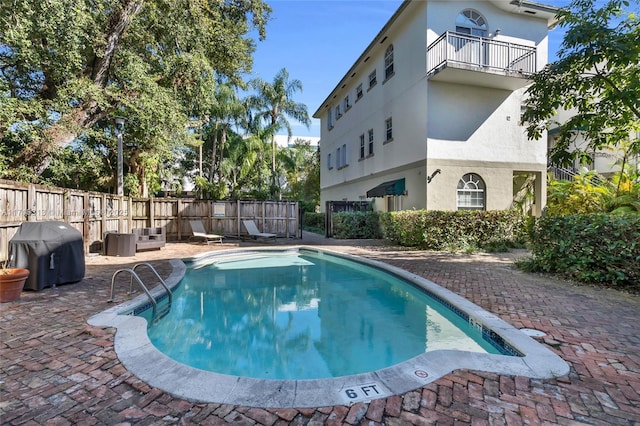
[58,370]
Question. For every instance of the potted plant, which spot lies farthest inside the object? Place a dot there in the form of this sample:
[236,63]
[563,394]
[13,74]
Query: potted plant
[11,282]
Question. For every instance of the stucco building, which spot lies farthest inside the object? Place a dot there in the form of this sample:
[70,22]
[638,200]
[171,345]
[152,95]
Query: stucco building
[428,117]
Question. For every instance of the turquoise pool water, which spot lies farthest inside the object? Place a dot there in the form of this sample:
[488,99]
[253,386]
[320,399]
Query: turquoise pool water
[305,315]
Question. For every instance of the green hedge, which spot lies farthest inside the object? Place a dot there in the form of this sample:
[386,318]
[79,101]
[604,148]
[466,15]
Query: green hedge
[454,230]
[313,220]
[593,248]
[348,225]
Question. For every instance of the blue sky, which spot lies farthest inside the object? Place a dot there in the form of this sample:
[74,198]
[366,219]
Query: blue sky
[318,41]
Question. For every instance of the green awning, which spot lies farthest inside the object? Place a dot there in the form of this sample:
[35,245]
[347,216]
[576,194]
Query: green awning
[393,187]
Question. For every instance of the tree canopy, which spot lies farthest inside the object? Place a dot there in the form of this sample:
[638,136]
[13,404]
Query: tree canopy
[68,66]
[274,104]
[596,79]
[173,69]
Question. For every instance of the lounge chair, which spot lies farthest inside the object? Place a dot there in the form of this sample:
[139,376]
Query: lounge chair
[253,231]
[197,229]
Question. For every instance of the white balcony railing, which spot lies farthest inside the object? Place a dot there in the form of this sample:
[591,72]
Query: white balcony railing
[453,48]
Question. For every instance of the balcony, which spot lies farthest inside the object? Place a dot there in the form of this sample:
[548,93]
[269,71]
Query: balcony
[479,61]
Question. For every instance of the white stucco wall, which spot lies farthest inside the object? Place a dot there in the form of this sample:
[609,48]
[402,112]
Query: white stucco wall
[458,126]
[480,124]
[402,98]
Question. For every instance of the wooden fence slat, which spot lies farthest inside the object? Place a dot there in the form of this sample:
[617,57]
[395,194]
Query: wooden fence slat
[94,214]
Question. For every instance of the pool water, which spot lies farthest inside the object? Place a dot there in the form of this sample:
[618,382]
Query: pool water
[304,315]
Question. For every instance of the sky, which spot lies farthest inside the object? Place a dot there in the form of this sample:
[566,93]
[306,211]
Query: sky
[318,41]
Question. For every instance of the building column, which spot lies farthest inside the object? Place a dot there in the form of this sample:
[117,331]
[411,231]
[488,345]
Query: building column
[540,193]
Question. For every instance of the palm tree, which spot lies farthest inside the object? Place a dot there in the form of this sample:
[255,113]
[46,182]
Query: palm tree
[300,163]
[242,165]
[273,104]
[227,109]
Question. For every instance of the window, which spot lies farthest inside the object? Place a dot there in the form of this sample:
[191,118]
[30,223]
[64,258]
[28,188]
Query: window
[370,141]
[388,62]
[362,146]
[359,91]
[471,22]
[342,157]
[372,79]
[338,113]
[329,165]
[389,127]
[345,156]
[346,105]
[329,121]
[471,193]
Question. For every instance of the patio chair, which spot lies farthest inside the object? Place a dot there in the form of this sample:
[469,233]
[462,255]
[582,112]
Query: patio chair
[197,229]
[253,231]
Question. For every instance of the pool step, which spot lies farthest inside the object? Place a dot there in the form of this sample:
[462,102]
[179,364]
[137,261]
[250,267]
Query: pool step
[162,312]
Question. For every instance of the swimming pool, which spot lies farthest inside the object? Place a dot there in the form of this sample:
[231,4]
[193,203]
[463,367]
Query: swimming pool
[305,315]
[137,352]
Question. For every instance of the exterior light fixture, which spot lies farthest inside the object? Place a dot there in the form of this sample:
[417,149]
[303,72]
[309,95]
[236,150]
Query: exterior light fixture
[435,172]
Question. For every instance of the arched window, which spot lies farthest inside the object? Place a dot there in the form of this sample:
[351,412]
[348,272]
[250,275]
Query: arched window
[471,22]
[471,193]
[388,62]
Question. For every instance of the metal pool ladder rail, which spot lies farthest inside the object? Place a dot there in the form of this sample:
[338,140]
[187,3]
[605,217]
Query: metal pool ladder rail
[132,272]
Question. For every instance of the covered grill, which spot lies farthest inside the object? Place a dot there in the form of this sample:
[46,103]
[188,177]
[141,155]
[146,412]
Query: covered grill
[53,252]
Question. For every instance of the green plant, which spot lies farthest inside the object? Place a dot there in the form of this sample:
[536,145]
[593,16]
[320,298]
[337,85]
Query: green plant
[313,222]
[499,246]
[466,231]
[210,190]
[595,77]
[348,225]
[590,192]
[404,227]
[584,194]
[593,248]
[527,264]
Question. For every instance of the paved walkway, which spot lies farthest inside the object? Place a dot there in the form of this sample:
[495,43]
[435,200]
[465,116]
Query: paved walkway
[57,370]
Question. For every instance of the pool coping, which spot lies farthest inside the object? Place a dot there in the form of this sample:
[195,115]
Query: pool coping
[139,356]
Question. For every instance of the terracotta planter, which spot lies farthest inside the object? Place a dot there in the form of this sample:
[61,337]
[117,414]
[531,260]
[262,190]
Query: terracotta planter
[11,283]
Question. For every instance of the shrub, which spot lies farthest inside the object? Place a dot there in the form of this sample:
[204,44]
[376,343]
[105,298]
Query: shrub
[348,225]
[589,192]
[313,221]
[593,248]
[455,230]
[404,227]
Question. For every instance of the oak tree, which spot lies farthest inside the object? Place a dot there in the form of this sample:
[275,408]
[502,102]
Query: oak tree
[68,65]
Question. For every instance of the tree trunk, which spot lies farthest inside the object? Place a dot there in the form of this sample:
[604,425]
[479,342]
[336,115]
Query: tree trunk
[223,140]
[88,112]
[118,24]
[214,147]
[139,170]
[36,154]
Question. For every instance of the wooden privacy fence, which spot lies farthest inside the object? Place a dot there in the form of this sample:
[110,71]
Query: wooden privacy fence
[94,214]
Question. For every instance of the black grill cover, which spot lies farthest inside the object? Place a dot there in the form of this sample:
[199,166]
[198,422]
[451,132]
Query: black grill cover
[52,252]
